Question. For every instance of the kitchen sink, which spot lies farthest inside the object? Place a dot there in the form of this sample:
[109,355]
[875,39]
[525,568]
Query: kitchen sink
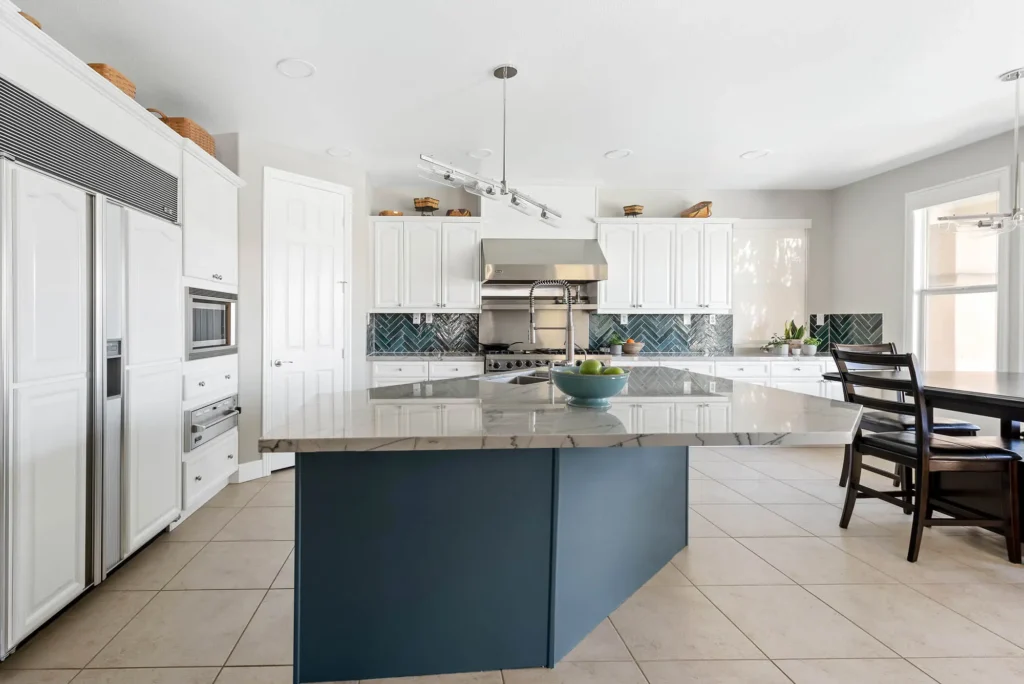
[524,379]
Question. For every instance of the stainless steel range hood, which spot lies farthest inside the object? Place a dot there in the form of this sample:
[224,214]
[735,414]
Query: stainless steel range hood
[525,261]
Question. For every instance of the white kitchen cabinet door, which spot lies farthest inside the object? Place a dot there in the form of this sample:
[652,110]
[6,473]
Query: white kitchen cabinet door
[718,266]
[153,439]
[387,265]
[623,412]
[654,417]
[618,293]
[422,260]
[462,418]
[460,265]
[832,390]
[688,417]
[47,508]
[689,267]
[422,420]
[804,386]
[717,417]
[154,290]
[209,219]
[51,263]
[655,266]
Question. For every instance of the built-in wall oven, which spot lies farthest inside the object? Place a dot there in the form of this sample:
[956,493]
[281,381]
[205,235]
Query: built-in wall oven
[210,323]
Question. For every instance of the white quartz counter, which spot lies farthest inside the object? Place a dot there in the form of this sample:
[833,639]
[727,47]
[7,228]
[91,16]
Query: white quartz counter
[660,407]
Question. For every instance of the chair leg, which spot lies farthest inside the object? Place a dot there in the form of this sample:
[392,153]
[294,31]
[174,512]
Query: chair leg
[898,475]
[920,514]
[1011,503]
[851,487]
[845,475]
[906,485]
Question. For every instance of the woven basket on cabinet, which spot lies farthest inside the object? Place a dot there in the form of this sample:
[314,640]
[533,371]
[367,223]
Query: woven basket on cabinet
[187,128]
[116,77]
[32,20]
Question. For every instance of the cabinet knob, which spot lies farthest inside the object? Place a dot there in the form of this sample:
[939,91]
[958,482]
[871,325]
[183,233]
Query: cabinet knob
[228,376]
[740,369]
[230,456]
[202,383]
[199,478]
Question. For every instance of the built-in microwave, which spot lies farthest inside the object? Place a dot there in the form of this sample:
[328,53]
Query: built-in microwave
[210,323]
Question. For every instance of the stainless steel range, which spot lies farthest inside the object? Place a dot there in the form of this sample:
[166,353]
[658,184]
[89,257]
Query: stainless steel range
[499,362]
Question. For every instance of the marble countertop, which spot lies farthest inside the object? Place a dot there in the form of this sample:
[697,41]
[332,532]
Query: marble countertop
[479,413]
[646,356]
[426,356]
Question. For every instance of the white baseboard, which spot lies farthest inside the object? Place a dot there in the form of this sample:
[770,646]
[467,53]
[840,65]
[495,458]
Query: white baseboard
[210,493]
[253,470]
[277,461]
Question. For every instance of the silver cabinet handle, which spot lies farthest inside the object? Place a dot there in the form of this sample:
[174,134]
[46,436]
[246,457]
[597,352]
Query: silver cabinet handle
[230,456]
[199,478]
[218,276]
[279,362]
[202,383]
[228,376]
[740,369]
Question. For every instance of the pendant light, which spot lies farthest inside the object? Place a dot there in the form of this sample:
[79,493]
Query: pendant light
[452,176]
[996,224]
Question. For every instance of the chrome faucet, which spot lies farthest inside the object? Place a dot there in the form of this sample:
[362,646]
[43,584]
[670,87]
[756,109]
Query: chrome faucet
[570,331]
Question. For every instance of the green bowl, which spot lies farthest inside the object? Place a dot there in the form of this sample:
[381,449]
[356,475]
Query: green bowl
[591,391]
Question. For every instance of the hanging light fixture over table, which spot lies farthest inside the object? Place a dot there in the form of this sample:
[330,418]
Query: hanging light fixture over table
[452,176]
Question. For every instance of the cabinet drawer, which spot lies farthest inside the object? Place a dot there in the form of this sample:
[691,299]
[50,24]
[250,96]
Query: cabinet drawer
[704,367]
[626,362]
[797,369]
[399,369]
[737,369]
[213,464]
[391,382]
[219,381]
[455,369]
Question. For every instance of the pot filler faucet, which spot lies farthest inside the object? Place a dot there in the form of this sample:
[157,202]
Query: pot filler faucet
[570,331]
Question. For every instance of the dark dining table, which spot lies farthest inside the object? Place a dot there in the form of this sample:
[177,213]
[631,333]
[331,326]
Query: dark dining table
[994,394]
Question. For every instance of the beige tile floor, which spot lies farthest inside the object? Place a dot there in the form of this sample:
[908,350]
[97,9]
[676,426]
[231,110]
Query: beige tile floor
[769,590]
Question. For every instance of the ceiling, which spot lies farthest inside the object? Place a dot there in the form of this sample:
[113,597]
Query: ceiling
[837,90]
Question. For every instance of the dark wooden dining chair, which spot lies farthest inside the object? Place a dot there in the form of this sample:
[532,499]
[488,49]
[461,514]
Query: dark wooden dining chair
[924,453]
[880,421]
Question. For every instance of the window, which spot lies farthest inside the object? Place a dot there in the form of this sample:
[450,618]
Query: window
[956,289]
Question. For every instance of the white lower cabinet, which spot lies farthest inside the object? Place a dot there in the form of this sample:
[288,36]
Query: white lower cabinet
[423,419]
[206,469]
[153,438]
[717,417]
[462,418]
[653,418]
[47,508]
[391,382]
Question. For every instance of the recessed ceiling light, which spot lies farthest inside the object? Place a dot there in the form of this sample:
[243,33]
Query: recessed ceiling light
[618,154]
[755,154]
[339,152]
[292,67]
[482,153]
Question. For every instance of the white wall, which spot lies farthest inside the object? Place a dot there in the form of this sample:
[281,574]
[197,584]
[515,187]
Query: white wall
[815,205]
[247,156]
[868,224]
[401,197]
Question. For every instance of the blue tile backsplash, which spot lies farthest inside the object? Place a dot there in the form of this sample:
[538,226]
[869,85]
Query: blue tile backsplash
[846,329]
[666,333]
[396,334]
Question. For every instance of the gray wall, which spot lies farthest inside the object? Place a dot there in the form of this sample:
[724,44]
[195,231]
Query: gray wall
[248,156]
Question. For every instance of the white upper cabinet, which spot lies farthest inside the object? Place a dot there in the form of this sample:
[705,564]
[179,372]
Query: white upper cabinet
[619,242]
[655,266]
[154,289]
[664,266]
[50,262]
[460,266]
[426,265]
[718,266]
[422,259]
[209,199]
[689,257]
[388,257]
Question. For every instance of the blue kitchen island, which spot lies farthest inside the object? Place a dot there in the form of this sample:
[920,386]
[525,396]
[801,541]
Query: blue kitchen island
[482,524]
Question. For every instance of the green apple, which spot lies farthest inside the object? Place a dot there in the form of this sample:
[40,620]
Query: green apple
[612,370]
[590,367]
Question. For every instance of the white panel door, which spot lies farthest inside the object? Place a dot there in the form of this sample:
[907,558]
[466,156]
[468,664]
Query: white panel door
[618,240]
[688,417]
[462,418]
[388,266]
[307,317]
[717,417]
[624,413]
[718,265]
[47,507]
[153,439]
[654,417]
[50,262]
[832,390]
[154,290]
[655,266]
[422,259]
[210,223]
[460,265]
[689,267]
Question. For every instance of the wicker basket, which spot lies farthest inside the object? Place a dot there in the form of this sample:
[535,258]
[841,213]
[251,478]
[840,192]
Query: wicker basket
[459,212]
[698,210]
[633,210]
[390,212]
[116,77]
[32,20]
[187,128]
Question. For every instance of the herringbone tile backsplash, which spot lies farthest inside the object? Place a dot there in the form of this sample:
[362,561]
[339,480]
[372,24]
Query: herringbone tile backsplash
[396,334]
[666,333]
[846,329]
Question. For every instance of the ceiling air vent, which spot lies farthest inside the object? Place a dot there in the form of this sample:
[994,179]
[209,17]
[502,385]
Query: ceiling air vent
[36,134]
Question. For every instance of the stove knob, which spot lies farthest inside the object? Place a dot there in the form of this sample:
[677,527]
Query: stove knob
[508,364]
[519,364]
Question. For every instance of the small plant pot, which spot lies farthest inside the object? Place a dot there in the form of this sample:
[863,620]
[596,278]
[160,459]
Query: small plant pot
[781,350]
[616,349]
[794,344]
[809,349]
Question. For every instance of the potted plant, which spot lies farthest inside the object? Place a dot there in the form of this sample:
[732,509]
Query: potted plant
[794,335]
[616,342]
[776,345]
[811,346]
